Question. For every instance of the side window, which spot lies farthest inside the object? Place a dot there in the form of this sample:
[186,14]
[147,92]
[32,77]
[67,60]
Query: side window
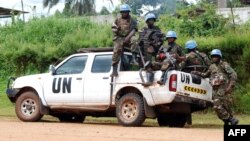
[102,64]
[74,65]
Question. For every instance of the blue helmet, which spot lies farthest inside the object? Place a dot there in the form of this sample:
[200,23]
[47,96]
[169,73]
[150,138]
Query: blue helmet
[171,34]
[150,16]
[191,44]
[124,8]
[216,52]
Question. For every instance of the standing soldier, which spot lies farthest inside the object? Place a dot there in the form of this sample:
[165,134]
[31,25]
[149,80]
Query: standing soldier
[174,50]
[195,60]
[223,79]
[150,41]
[124,29]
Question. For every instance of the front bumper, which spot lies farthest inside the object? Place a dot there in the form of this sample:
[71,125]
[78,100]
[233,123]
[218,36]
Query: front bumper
[11,92]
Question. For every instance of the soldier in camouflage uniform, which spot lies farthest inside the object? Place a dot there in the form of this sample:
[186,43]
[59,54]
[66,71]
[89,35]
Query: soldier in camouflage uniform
[223,79]
[195,60]
[176,52]
[150,40]
[124,29]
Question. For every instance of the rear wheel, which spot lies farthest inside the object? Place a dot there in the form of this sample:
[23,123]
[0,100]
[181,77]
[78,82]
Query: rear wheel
[172,120]
[28,107]
[163,120]
[130,110]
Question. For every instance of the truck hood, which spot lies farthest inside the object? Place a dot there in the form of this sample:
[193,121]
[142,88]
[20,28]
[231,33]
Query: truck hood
[24,80]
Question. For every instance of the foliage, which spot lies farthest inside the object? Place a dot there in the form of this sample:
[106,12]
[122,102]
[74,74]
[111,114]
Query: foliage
[74,7]
[50,41]
[104,11]
[199,20]
[166,7]
[137,4]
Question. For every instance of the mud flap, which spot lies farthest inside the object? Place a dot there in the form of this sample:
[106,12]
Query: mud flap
[149,110]
[43,110]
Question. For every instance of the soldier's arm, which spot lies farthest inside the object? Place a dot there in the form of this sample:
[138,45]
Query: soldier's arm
[115,26]
[206,59]
[133,30]
[231,73]
[134,25]
[203,74]
[181,55]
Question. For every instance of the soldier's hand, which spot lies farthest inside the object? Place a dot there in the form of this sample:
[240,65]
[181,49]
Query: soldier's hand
[126,40]
[229,87]
[228,90]
[176,56]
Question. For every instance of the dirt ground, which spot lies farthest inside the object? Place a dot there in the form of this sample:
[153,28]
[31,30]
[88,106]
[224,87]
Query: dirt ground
[15,130]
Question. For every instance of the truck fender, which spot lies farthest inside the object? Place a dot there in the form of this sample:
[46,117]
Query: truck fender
[34,85]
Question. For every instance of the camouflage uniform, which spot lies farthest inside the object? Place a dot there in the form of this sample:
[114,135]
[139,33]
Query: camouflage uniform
[124,27]
[196,61]
[171,48]
[150,41]
[221,75]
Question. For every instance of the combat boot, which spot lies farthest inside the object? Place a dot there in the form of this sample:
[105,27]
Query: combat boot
[226,122]
[161,81]
[233,121]
[133,61]
[150,79]
[114,72]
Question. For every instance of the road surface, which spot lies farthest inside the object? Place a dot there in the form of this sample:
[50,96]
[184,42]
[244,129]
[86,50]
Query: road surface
[12,129]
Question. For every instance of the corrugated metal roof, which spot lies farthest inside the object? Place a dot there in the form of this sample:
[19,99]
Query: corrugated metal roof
[6,12]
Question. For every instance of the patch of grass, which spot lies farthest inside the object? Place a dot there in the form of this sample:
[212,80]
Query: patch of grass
[6,107]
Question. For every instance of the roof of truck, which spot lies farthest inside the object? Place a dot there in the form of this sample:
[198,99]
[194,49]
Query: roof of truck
[101,49]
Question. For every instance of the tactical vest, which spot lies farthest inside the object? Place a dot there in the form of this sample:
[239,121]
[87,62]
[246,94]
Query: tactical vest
[146,38]
[151,36]
[124,26]
[218,75]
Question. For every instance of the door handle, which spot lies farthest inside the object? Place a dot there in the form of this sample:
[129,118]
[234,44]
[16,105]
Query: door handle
[105,77]
[79,78]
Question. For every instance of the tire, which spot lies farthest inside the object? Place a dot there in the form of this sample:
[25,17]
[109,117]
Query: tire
[130,110]
[163,120]
[28,107]
[172,120]
[71,118]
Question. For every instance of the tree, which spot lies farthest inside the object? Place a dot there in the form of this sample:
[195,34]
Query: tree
[169,6]
[50,3]
[74,7]
[137,4]
[104,11]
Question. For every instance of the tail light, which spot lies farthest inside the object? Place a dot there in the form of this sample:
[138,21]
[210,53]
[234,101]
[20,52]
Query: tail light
[173,82]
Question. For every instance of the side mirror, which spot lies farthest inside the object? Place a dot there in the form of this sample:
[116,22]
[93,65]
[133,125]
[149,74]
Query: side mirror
[52,69]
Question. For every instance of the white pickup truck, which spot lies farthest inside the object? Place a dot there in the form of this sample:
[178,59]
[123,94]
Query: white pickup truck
[81,86]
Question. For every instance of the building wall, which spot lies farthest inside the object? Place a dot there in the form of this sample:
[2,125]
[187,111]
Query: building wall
[222,3]
[102,19]
[241,15]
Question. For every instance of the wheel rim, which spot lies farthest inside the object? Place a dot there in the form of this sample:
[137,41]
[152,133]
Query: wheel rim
[28,107]
[129,110]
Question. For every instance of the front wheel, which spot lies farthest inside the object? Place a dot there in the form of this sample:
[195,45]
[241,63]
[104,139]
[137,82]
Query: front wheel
[28,107]
[130,110]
